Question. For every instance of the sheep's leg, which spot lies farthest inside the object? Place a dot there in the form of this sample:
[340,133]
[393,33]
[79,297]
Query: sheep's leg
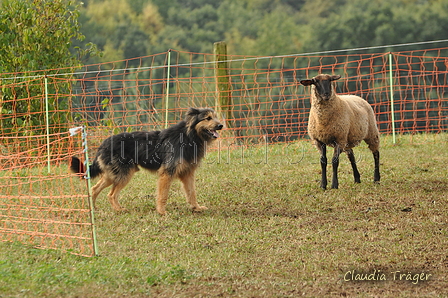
[323,163]
[351,157]
[335,163]
[376,175]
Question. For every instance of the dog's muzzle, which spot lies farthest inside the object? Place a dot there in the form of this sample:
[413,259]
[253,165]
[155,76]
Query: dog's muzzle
[213,133]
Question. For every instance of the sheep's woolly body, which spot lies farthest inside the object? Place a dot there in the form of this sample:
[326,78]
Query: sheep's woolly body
[344,120]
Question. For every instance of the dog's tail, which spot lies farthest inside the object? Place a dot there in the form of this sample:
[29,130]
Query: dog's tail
[78,167]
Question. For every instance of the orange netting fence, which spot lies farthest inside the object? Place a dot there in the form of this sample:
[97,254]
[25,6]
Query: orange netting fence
[41,204]
[259,97]
[406,89]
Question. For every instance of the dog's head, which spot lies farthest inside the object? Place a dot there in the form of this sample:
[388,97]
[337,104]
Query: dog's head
[204,123]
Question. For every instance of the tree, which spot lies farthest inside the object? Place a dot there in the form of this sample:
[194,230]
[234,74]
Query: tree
[122,29]
[36,35]
[369,23]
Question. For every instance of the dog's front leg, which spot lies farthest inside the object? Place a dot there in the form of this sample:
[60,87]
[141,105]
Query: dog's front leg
[163,188]
[190,191]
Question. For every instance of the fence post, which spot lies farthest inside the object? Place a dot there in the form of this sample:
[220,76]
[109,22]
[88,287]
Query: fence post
[392,110]
[223,102]
[167,87]
[47,125]
[89,187]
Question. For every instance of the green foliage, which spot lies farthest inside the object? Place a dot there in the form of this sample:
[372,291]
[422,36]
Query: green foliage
[367,23]
[35,36]
[127,29]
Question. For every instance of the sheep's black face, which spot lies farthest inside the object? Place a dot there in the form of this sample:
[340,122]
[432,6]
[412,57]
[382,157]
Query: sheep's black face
[322,85]
[323,89]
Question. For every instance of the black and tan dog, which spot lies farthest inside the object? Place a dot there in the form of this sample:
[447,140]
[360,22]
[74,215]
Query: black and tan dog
[174,152]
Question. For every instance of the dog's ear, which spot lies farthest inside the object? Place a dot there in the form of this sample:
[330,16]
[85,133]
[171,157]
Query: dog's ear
[192,116]
[193,112]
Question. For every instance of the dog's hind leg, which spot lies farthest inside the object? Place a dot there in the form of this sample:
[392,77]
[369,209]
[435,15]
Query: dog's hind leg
[99,186]
[190,191]
[117,186]
[113,196]
[163,188]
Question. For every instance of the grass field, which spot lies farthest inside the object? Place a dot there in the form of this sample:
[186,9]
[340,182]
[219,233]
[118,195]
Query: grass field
[270,231]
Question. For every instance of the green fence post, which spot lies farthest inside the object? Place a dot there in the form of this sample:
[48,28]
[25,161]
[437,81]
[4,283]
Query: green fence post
[392,110]
[167,88]
[89,186]
[47,125]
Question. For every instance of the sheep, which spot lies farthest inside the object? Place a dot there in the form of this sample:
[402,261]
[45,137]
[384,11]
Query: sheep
[341,122]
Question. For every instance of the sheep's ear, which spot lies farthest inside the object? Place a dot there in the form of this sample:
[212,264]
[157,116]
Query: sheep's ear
[334,78]
[307,82]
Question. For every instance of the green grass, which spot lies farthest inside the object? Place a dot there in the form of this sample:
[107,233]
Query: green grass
[270,231]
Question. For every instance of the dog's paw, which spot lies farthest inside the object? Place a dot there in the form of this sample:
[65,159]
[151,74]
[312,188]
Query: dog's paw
[161,212]
[121,210]
[199,208]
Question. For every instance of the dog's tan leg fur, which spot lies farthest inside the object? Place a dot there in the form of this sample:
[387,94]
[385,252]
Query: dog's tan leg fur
[113,196]
[99,186]
[117,186]
[190,191]
[163,189]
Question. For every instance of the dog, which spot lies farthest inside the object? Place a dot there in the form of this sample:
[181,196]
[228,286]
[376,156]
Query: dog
[172,153]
